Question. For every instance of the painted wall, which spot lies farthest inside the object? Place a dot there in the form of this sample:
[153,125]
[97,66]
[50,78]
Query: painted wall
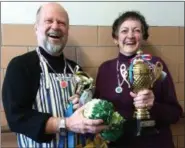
[98,13]
[90,36]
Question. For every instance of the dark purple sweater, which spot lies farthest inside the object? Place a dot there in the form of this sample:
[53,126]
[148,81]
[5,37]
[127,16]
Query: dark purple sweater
[165,111]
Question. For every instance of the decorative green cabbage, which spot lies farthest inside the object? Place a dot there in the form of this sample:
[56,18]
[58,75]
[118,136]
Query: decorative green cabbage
[102,109]
[99,109]
[116,128]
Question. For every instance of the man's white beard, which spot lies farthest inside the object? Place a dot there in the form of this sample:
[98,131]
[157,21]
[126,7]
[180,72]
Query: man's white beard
[51,48]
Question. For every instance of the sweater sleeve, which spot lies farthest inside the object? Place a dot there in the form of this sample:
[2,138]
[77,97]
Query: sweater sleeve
[166,109]
[97,84]
[18,98]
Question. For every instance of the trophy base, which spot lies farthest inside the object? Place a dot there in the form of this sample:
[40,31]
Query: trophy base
[145,127]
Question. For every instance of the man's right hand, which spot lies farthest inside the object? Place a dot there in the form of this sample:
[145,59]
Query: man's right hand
[79,124]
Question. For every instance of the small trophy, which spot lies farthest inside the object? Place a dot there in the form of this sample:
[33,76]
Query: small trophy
[142,74]
[84,86]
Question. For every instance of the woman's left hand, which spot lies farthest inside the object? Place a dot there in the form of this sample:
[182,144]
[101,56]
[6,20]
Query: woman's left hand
[144,98]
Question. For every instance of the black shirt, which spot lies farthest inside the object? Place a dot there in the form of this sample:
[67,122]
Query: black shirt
[19,91]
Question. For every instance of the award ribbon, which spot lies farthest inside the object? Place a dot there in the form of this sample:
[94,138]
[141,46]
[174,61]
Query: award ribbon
[70,135]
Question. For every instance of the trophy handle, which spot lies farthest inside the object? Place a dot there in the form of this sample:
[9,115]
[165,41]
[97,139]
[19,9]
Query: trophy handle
[157,71]
[79,89]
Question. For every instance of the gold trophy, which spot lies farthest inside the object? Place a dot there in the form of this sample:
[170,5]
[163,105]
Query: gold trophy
[84,86]
[142,75]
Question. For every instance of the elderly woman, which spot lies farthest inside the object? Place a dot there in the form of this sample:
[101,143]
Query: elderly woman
[128,32]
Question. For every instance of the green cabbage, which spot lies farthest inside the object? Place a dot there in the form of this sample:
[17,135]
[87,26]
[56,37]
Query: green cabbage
[116,128]
[102,109]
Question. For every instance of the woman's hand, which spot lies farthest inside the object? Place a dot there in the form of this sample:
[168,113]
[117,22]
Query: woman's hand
[144,98]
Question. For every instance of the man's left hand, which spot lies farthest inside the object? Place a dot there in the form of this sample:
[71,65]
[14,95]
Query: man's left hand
[75,101]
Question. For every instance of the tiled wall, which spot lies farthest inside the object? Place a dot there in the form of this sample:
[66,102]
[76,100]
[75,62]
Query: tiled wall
[90,46]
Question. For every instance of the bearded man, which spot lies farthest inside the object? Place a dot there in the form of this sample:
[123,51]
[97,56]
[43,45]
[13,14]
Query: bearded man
[39,86]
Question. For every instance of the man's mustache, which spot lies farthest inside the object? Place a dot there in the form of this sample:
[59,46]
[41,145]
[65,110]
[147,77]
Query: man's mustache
[55,33]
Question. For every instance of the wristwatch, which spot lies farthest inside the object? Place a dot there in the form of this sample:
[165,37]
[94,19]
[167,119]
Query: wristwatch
[62,127]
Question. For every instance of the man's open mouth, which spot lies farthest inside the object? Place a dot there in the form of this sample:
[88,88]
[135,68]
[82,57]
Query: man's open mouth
[54,35]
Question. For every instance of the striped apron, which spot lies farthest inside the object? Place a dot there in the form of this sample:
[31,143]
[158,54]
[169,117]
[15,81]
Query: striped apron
[51,98]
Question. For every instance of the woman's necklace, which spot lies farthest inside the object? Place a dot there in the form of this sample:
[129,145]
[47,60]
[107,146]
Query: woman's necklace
[123,71]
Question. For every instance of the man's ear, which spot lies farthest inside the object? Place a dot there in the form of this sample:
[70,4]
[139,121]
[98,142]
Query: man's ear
[35,27]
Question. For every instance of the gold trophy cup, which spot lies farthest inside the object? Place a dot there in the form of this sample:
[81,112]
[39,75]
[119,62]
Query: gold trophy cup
[142,75]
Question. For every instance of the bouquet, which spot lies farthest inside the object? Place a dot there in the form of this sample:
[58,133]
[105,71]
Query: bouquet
[102,109]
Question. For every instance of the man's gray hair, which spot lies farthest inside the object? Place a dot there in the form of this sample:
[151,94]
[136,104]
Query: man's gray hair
[38,14]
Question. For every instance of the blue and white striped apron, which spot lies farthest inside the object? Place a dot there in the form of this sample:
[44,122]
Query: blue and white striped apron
[50,98]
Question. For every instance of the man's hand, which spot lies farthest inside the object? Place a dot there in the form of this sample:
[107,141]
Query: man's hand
[144,98]
[75,101]
[79,124]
